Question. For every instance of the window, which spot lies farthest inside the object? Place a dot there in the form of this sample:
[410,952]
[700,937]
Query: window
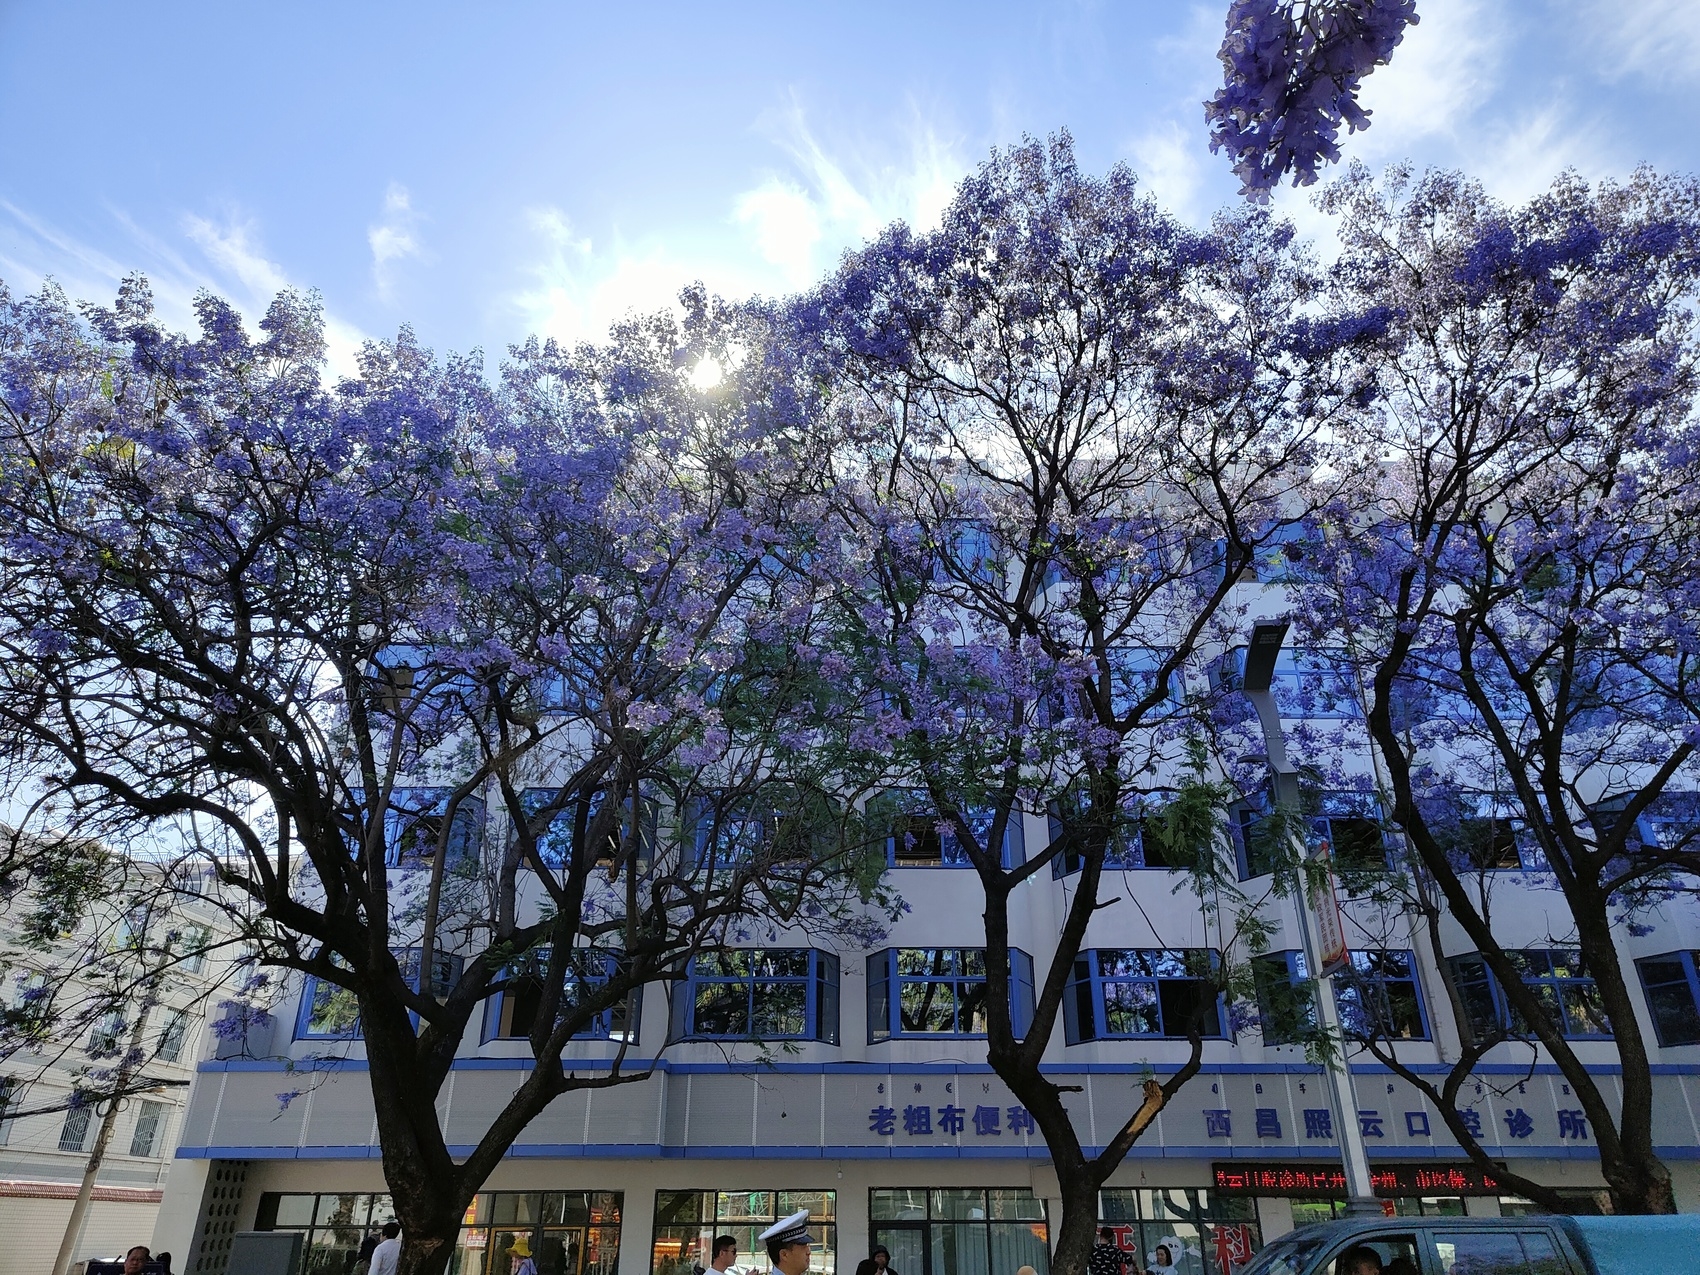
[569,1232]
[1672,984]
[1395,1252]
[960,1231]
[758,994]
[413,825]
[1485,843]
[330,1012]
[1136,843]
[74,1133]
[914,839]
[1286,1006]
[1349,826]
[1206,1224]
[1314,685]
[8,1100]
[554,845]
[1498,1253]
[150,1123]
[171,1039]
[195,943]
[1378,997]
[1256,842]
[733,831]
[1116,994]
[1558,981]
[512,1012]
[686,1223]
[104,1040]
[940,991]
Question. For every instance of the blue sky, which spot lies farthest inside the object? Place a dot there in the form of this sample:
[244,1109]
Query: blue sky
[492,170]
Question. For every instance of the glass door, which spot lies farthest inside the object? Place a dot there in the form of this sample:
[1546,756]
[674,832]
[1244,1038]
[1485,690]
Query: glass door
[907,1246]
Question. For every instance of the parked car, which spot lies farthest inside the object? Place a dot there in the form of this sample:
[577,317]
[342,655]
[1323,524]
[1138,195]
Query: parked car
[1488,1246]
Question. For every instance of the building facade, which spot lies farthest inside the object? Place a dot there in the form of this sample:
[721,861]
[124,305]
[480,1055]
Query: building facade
[882,1118]
[45,1143]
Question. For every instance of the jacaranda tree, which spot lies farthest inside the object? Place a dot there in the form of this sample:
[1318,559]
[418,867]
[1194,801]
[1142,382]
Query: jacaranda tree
[1291,71]
[1065,425]
[316,638]
[1516,587]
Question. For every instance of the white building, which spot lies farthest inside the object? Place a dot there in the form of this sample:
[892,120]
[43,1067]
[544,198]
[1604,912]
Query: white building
[44,1147]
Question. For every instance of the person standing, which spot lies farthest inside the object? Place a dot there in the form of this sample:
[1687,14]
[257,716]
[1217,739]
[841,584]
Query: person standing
[724,1252]
[386,1258]
[520,1252]
[788,1244]
[1107,1258]
[363,1259]
[136,1260]
[878,1262]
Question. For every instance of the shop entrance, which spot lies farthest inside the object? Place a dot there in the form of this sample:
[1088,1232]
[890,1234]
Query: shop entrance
[957,1231]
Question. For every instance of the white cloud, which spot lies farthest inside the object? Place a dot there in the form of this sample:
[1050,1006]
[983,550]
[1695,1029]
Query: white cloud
[1169,160]
[1657,39]
[800,220]
[394,238]
[792,223]
[1440,75]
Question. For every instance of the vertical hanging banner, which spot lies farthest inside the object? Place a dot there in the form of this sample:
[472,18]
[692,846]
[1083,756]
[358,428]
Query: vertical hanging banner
[1332,953]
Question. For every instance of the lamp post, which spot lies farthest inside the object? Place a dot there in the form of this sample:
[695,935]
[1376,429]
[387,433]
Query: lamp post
[1319,919]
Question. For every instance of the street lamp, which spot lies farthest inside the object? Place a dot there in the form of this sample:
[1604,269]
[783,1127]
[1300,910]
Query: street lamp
[1319,916]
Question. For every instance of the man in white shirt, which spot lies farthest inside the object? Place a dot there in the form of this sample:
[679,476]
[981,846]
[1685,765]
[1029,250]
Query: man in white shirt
[386,1258]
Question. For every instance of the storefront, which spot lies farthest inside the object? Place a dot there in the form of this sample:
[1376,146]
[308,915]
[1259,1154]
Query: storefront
[1204,1232]
[959,1230]
[569,1232]
[686,1223]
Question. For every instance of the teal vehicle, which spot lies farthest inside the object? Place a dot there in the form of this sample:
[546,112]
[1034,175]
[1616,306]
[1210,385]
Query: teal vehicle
[1487,1246]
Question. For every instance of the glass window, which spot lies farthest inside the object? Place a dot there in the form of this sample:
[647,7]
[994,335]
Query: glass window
[195,943]
[758,994]
[960,1231]
[1556,977]
[1395,1253]
[687,1222]
[413,827]
[1493,1253]
[74,1133]
[940,991]
[1378,997]
[150,1121]
[916,837]
[8,1099]
[1136,843]
[1286,1006]
[1673,997]
[555,842]
[1118,993]
[512,1011]
[172,1036]
[569,1232]
[330,1012]
[1205,1234]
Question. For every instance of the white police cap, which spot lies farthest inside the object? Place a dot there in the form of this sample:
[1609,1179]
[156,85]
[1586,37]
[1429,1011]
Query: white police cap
[791,1230]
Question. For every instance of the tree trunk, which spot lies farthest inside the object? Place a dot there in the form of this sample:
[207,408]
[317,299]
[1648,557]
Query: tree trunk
[428,1253]
[1079,1223]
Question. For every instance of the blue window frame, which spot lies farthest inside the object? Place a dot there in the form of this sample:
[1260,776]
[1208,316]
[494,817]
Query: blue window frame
[329,1012]
[732,831]
[511,1013]
[1672,984]
[913,838]
[1134,845]
[413,823]
[1555,975]
[1129,993]
[1307,685]
[555,844]
[940,991]
[1378,995]
[1351,827]
[758,994]
[1286,999]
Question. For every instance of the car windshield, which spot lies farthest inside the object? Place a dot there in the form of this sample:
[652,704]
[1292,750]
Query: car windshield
[1285,1257]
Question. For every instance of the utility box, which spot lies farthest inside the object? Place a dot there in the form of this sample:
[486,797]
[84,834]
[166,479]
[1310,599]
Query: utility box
[265,1253]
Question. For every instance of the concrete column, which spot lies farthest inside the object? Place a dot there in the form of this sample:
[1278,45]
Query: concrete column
[1274,1216]
[174,1228]
[637,1229]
